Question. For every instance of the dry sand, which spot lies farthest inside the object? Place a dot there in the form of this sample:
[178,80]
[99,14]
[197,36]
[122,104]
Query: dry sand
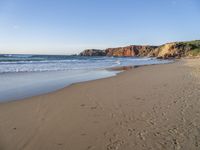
[146,108]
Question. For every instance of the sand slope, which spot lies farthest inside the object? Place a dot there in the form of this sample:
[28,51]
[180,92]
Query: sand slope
[152,107]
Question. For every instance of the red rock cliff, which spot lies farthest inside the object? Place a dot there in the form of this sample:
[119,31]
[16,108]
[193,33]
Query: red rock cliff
[132,50]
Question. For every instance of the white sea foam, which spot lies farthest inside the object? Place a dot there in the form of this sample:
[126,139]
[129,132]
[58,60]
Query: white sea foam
[25,76]
[12,64]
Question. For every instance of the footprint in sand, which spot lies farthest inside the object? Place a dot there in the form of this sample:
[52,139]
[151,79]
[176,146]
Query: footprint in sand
[176,144]
[90,147]
[130,131]
[141,135]
[82,105]
[94,107]
[114,145]
[112,115]
[156,134]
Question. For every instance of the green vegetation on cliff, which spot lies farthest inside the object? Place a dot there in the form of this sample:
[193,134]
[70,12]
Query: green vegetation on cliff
[195,47]
[194,52]
[195,43]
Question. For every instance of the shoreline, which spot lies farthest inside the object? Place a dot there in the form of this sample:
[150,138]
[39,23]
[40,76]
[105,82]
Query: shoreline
[152,107]
[60,82]
[111,72]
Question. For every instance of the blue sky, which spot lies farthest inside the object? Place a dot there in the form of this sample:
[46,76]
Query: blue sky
[69,26]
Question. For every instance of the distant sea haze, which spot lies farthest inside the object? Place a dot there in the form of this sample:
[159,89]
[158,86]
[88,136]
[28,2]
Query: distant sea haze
[29,75]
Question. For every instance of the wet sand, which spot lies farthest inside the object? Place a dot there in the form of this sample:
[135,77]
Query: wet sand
[146,108]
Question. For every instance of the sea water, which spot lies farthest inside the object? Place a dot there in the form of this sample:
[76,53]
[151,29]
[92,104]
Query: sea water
[24,76]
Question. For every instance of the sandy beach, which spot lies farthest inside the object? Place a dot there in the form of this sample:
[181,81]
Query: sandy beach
[146,108]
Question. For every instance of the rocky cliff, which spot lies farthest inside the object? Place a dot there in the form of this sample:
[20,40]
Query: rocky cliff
[133,50]
[169,50]
[178,49]
[93,52]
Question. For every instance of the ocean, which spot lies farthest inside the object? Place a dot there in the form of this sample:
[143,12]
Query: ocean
[23,76]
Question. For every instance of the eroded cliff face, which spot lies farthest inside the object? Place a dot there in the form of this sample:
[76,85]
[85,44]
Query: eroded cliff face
[121,51]
[175,50]
[133,50]
[169,50]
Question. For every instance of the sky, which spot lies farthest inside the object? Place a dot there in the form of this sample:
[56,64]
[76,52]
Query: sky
[70,26]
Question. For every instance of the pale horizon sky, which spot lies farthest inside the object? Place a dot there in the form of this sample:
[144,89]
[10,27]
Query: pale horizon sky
[70,26]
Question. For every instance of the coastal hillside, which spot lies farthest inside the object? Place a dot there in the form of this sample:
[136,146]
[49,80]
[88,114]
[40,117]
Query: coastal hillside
[168,50]
[178,49]
[93,52]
